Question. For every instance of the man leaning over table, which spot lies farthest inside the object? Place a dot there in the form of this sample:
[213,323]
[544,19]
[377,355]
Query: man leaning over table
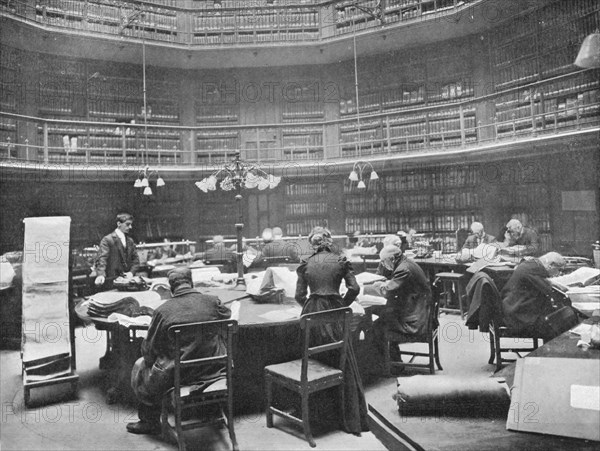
[407,292]
[522,241]
[478,236]
[117,255]
[152,374]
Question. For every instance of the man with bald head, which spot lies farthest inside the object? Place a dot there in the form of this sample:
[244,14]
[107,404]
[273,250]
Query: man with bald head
[526,295]
[522,241]
[478,237]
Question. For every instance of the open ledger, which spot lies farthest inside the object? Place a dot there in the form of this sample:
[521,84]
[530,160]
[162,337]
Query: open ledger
[581,277]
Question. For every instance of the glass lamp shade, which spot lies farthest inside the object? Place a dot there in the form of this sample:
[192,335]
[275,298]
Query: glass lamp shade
[353,176]
[251,180]
[263,183]
[374,175]
[144,182]
[589,53]
[361,185]
[273,181]
[160,182]
[138,183]
[147,191]
[202,185]
[211,183]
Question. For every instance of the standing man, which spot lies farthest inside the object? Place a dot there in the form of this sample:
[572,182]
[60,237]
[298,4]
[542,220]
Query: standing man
[478,237]
[152,373]
[117,255]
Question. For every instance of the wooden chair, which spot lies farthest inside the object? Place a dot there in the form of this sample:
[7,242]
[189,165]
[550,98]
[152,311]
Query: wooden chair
[453,289]
[499,331]
[306,375]
[183,401]
[430,337]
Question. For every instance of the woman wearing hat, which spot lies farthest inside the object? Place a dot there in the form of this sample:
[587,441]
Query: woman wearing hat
[322,273]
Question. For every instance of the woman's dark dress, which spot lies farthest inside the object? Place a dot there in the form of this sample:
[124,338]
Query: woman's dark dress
[323,273]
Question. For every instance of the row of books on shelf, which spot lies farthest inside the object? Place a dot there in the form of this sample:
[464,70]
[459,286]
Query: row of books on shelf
[253,19]
[217,143]
[302,141]
[302,228]
[306,189]
[241,4]
[303,109]
[366,205]
[306,208]
[456,200]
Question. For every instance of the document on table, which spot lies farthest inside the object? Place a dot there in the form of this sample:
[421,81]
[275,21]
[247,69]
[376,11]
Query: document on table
[282,315]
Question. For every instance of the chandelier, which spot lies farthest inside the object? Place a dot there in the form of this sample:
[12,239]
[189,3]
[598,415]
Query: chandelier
[143,180]
[234,176]
[237,175]
[357,173]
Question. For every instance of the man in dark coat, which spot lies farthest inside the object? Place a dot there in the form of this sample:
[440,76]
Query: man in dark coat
[522,241]
[478,237]
[526,295]
[117,255]
[152,374]
[407,292]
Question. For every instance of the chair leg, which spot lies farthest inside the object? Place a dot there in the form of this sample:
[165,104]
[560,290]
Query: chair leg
[498,351]
[437,353]
[305,421]
[386,357]
[230,427]
[269,390]
[431,357]
[492,348]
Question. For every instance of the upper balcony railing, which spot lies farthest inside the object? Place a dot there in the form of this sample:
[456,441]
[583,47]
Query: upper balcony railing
[545,108]
[218,23]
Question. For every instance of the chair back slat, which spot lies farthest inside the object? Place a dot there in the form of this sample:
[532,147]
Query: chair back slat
[339,321]
[223,328]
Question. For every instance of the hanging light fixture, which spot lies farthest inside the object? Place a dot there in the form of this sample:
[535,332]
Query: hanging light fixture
[589,53]
[356,175]
[235,176]
[143,180]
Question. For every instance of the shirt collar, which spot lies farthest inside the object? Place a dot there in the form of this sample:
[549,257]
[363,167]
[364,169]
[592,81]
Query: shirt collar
[122,237]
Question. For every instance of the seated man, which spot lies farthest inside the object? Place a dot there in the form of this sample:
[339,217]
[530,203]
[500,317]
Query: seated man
[522,241]
[407,292]
[390,240]
[152,374]
[526,295]
[163,252]
[478,237]
[219,252]
[277,247]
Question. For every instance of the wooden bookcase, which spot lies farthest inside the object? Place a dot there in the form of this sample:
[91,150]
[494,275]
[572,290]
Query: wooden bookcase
[306,206]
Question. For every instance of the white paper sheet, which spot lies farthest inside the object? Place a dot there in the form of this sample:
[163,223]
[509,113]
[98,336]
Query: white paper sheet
[46,329]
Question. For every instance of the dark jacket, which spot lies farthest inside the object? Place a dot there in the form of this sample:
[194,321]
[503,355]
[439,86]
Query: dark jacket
[280,248]
[529,239]
[323,273]
[484,301]
[219,253]
[408,294]
[113,260]
[186,306]
[526,295]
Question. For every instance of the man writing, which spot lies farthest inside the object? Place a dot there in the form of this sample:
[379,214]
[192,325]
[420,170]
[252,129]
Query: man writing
[407,293]
[117,255]
[522,241]
[478,237]
[152,374]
